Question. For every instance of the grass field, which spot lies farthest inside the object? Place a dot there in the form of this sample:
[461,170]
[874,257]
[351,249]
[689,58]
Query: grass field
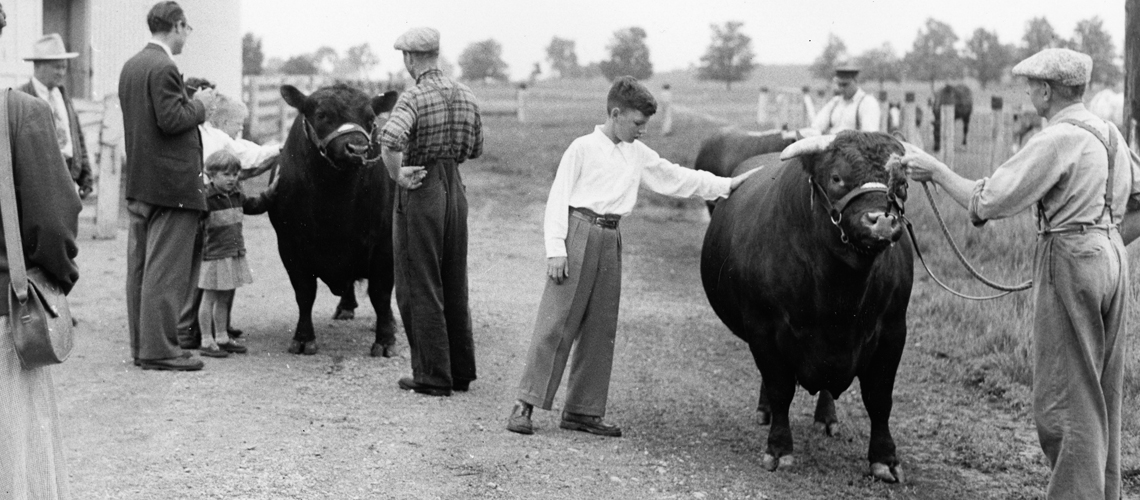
[991,340]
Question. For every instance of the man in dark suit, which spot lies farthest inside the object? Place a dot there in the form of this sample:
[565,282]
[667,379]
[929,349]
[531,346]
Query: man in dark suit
[165,193]
[49,58]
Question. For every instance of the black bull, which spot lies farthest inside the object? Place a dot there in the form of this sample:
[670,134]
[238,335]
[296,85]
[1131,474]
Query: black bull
[333,209]
[819,295]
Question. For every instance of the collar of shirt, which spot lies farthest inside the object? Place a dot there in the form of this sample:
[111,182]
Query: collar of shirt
[855,97]
[165,47]
[424,75]
[1070,112]
[41,90]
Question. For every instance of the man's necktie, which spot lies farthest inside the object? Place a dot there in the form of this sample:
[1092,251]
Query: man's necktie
[60,114]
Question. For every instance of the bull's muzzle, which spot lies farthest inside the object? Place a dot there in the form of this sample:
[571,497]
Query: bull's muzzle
[356,149]
[883,226]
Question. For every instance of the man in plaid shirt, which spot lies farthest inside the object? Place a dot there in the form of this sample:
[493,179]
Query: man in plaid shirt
[434,127]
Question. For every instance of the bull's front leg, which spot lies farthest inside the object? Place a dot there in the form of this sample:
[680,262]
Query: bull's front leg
[777,389]
[878,383]
[380,294]
[305,291]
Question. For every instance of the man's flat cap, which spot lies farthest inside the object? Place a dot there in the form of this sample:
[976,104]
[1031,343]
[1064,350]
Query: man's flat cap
[1064,66]
[846,70]
[419,40]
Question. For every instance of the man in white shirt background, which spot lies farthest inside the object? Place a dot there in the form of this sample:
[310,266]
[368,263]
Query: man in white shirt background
[49,57]
[850,109]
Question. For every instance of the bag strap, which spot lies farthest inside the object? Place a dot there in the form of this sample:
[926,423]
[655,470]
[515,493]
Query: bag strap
[16,269]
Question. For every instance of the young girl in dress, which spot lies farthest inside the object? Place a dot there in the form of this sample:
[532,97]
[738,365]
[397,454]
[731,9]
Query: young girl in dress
[224,267]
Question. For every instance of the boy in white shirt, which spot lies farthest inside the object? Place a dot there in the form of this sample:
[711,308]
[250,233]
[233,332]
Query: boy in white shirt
[596,184]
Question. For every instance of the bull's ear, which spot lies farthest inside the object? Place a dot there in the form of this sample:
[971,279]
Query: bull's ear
[807,145]
[294,97]
[385,102]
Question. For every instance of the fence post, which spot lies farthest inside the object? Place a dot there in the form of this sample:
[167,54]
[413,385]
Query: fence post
[111,153]
[884,112]
[998,150]
[520,103]
[809,106]
[667,104]
[762,107]
[908,118]
[947,134]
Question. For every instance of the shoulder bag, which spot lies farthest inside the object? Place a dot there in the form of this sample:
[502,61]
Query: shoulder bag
[38,313]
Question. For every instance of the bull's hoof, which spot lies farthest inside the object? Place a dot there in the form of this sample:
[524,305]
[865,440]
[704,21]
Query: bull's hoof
[307,348]
[383,351]
[343,314]
[831,429]
[763,417]
[887,474]
[771,463]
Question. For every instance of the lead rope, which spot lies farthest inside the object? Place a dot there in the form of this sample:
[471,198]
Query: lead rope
[1006,289]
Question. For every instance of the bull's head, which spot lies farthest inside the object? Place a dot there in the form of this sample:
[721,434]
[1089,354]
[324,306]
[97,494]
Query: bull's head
[861,182]
[339,121]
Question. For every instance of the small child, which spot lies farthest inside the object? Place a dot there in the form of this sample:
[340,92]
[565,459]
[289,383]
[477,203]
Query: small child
[224,267]
[596,184]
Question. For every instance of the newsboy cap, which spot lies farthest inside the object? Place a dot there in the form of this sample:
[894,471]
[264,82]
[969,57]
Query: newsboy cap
[846,70]
[419,40]
[1064,66]
[49,48]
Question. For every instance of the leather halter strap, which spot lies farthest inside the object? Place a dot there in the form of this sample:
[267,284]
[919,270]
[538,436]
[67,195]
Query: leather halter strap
[347,128]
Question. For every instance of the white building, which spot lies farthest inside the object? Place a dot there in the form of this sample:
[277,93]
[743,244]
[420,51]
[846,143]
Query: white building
[106,33]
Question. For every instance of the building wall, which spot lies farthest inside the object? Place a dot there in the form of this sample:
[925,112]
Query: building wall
[213,50]
[25,25]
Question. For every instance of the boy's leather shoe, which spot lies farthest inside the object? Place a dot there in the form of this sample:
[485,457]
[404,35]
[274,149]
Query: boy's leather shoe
[233,332]
[233,347]
[213,351]
[178,364]
[409,384]
[184,355]
[588,423]
[520,418]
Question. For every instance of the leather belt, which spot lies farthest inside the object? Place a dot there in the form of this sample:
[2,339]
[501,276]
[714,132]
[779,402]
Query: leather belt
[1078,228]
[607,221]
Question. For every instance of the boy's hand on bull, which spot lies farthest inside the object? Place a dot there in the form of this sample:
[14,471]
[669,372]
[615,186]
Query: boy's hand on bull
[556,268]
[411,177]
[738,180]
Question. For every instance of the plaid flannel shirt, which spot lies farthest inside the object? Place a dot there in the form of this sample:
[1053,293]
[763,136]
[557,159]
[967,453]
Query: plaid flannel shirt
[420,126]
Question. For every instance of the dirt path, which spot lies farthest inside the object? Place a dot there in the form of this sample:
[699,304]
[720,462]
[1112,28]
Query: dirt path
[271,425]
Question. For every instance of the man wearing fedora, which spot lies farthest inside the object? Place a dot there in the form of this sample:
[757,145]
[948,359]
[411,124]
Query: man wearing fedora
[49,58]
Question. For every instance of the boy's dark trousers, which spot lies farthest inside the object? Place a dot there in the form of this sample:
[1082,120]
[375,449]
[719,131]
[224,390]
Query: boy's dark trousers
[431,277]
[581,312]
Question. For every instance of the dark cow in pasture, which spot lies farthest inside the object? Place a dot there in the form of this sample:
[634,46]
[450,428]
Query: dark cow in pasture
[801,262]
[1025,123]
[963,100]
[333,208]
[725,150]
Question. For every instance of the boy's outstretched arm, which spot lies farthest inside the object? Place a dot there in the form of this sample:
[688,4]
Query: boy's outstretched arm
[738,180]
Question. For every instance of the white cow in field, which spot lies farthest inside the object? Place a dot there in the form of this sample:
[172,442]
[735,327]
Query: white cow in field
[1109,105]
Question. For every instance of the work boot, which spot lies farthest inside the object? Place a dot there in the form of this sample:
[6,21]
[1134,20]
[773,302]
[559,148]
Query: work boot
[588,423]
[520,418]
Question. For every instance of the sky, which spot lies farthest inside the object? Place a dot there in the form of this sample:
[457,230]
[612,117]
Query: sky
[782,32]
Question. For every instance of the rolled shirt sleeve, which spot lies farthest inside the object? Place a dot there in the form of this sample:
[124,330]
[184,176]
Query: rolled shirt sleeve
[397,130]
[1021,181]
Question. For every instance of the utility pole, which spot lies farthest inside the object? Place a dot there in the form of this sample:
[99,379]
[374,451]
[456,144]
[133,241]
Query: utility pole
[1132,71]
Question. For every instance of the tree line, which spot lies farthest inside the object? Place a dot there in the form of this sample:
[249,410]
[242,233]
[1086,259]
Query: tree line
[936,55]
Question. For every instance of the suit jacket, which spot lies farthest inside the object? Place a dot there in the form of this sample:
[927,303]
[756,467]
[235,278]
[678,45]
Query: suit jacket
[79,165]
[160,124]
[47,203]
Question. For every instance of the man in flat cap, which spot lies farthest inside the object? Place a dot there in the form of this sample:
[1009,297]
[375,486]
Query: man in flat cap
[434,127]
[1084,183]
[165,193]
[49,61]
[851,108]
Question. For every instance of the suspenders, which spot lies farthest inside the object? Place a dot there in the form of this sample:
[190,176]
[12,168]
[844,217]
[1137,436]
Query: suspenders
[1110,145]
[831,113]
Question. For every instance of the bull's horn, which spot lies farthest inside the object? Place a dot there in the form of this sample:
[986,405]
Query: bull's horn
[807,145]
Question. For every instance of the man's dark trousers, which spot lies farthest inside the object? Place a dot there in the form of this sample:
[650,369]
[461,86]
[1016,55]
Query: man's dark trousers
[431,277]
[159,255]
